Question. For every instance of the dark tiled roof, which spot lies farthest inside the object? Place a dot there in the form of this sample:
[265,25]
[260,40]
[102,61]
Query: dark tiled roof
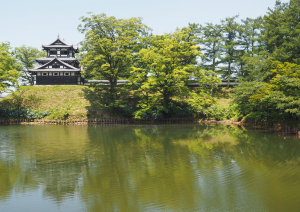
[54,70]
[60,40]
[60,58]
[58,46]
[43,67]
[64,44]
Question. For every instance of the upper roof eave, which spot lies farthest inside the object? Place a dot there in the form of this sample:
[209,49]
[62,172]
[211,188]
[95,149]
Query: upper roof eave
[60,58]
[55,58]
[60,46]
[57,46]
[54,70]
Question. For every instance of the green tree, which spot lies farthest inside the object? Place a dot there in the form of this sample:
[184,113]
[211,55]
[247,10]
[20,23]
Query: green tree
[249,45]
[8,74]
[192,31]
[211,39]
[274,33]
[109,47]
[281,31]
[276,101]
[250,30]
[26,57]
[230,45]
[168,69]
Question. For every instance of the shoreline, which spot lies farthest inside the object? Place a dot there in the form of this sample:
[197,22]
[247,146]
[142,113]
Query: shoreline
[282,129]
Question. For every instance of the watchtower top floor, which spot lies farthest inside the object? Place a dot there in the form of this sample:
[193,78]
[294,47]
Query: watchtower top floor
[59,48]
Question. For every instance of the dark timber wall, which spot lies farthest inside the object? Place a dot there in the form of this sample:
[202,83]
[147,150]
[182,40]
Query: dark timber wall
[56,80]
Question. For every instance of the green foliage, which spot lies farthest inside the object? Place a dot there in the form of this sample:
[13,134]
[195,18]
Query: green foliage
[15,113]
[109,47]
[8,74]
[220,113]
[211,39]
[230,44]
[166,72]
[26,60]
[242,94]
[199,102]
[273,102]
[281,31]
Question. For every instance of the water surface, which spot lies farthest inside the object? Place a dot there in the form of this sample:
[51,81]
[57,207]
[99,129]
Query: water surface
[147,168]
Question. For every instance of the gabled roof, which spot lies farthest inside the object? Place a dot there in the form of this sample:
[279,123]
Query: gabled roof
[59,40]
[59,43]
[55,59]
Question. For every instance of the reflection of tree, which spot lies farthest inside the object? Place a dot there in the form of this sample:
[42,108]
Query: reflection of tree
[127,166]
[200,167]
[49,155]
[59,181]
[164,167]
[13,176]
[149,164]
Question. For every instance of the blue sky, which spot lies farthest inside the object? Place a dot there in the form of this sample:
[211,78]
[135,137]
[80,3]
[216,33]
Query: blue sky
[37,22]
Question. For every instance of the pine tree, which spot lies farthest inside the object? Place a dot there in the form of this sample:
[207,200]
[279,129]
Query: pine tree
[249,45]
[211,43]
[230,44]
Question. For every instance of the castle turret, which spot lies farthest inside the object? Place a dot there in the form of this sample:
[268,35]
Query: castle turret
[59,67]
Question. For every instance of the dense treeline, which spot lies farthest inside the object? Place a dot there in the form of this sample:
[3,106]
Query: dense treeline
[271,92]
[261,53]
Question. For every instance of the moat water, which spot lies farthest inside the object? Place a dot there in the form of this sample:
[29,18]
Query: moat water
[178,167]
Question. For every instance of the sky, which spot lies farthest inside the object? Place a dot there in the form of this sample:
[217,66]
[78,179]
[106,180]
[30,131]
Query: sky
[37,22]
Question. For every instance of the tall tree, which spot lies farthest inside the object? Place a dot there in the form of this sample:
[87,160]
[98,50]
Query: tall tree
[211,40]
[249,46]
[192,36]
[26,58]
[109,47]
[281,31]
[278,39]
[168,70]
[274,34]
[8,74]
[230,45]
[249,35]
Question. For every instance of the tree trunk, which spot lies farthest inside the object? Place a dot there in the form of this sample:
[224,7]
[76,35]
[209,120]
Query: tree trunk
[113,84]
[214,58]
[31,81]
[229,70]
[166,100]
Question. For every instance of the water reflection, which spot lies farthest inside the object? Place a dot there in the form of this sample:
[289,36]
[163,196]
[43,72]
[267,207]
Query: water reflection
[147,168]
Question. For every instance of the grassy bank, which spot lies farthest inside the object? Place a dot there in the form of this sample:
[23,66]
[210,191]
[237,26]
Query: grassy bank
[67,102]
[63,102]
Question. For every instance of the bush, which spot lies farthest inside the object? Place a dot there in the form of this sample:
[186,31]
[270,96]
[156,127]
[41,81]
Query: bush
[22,114]
[175,109]
[221,113]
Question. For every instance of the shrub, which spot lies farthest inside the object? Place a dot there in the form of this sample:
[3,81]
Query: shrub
[22,114]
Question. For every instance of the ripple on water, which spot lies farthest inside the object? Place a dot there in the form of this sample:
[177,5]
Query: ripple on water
[147,168]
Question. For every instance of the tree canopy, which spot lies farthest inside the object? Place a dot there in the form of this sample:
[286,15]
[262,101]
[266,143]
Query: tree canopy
[26,59]
[8,74]
[109,47]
